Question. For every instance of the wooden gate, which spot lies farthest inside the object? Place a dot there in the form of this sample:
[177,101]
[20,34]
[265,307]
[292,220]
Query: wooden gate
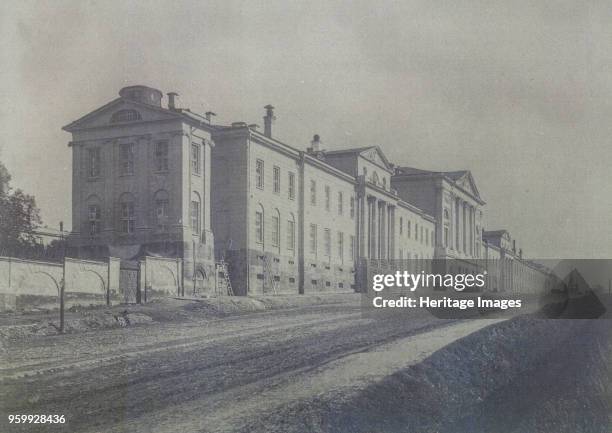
[129,283]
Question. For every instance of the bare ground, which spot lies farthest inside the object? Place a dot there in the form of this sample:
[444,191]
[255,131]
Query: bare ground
[186,376]
[310,368]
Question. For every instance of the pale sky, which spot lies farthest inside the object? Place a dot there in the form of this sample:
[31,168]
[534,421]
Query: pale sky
[519,92]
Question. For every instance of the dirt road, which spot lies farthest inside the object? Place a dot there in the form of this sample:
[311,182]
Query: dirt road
[213,375]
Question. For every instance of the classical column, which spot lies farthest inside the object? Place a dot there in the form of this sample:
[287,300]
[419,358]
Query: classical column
[473,231]
[363,226]
[382,246]
[374,229]
[391,232]
[464,227]
[457,224]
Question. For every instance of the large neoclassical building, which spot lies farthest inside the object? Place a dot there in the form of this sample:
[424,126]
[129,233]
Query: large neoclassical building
[165,181]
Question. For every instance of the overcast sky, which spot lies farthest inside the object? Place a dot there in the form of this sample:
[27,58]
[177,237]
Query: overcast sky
[518,92]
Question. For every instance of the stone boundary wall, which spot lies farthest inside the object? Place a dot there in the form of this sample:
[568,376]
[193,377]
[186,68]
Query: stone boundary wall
[161,276]
[27,284]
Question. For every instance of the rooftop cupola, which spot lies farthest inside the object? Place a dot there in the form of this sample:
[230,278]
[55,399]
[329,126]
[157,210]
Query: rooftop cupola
[142,94]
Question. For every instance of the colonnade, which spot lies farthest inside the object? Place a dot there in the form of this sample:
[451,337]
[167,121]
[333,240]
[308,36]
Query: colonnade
[377,228]
[464,233]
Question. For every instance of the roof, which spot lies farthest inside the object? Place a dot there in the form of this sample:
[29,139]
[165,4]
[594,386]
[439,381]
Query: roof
[183,113]
[360,150]
[454,176]
[494,233]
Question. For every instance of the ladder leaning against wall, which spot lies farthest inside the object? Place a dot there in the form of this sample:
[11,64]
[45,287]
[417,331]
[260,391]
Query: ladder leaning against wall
[223,282]
[268,274]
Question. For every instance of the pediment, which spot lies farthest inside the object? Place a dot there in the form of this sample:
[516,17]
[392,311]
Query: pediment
[375,155]
[121,111]
[466,182]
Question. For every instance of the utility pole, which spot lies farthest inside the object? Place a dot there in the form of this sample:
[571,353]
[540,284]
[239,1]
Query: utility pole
[63,282]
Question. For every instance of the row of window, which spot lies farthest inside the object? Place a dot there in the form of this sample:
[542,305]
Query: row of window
[340,199]
[421,234]
[275,227]
[276,188]
[127,158]
[276,179]
[127,214]
[327,242]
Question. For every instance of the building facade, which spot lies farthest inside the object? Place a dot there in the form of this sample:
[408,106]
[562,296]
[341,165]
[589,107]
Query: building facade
[141,184]
[164,181]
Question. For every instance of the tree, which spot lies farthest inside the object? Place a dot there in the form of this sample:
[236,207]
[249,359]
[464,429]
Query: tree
[19,216]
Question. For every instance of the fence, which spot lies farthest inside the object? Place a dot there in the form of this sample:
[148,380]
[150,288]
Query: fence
[26,284]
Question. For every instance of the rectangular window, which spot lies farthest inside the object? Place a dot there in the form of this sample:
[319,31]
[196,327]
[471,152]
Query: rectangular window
[259,233]
[276,172]
[161,156]
[352,207]
[416,231]
[259,174]
[421,234]
[195,158]
[313,238]
[408,229]
[341,245]
[291,186]
[94,162]
[426,236]
[275,230]
[327,198]
[94,219]
[161,211]
[290,235]
[127,158]
[313,193]
[128,221]
[195,216]
[401,226]
[352,248]
[327,241]
[340,203]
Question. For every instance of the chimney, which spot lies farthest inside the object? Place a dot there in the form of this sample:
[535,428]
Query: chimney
[171,102]
[315,144]
[269,117]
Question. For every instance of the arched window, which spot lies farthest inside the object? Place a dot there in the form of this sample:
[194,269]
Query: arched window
[384,183]
[127,213]
[94,216]
[276,228]
[259,224]
[375,179]
[125,116]
[161,205]
[291,232]
[195,213]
